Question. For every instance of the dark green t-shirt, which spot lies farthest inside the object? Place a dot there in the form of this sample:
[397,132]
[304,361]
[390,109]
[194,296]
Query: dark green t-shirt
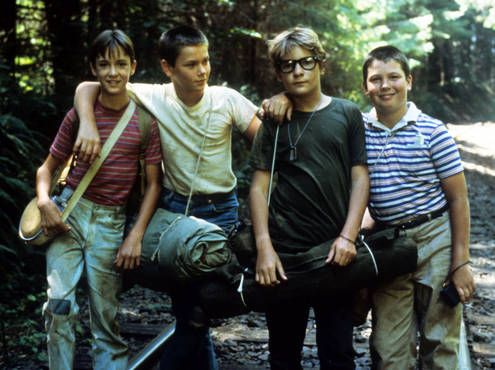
[310,201]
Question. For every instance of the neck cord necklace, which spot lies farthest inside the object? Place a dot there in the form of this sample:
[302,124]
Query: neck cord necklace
[292,146]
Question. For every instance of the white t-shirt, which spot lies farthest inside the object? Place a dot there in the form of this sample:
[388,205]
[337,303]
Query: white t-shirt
[183,129]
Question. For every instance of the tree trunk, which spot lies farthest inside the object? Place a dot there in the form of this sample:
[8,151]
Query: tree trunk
[8,39]
[65,30]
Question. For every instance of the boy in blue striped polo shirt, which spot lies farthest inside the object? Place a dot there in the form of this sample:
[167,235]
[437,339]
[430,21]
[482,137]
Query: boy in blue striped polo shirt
[417,184]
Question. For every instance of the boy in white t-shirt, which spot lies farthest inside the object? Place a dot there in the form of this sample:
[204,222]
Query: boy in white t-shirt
[195,120]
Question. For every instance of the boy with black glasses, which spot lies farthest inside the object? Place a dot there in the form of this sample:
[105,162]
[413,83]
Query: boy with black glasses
[321,195]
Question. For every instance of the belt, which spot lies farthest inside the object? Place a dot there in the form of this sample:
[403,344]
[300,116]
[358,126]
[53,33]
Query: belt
[202,198]
[421,219]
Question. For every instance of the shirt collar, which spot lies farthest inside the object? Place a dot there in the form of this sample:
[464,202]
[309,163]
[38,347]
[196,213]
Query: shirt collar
[411,116]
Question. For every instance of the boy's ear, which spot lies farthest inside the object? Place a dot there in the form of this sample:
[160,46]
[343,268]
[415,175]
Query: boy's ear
[93,70]
[166,68]
[133,66]
[365,89]
[322,67]
[409,80]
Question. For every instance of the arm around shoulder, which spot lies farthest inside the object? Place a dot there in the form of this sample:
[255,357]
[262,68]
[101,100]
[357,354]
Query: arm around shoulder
[87,144]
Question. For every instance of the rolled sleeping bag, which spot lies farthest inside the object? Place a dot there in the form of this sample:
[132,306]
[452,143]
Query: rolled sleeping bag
[309,278]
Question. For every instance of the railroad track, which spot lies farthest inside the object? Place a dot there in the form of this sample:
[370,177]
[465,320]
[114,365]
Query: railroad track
[241,344]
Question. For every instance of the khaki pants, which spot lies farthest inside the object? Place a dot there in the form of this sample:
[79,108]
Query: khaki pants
[410,304]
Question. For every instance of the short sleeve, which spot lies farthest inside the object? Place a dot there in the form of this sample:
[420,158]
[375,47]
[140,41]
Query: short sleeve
[61,147]
[444,153]
[262,148]
[243,110]
[153,154]
[357,143]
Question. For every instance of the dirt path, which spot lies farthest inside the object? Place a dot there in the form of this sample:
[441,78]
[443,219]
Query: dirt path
[475,142]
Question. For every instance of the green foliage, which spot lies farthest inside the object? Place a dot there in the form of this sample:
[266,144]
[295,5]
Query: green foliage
[18,148]
[22,300]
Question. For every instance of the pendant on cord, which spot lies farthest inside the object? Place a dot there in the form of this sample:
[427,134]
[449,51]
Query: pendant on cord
[293,153]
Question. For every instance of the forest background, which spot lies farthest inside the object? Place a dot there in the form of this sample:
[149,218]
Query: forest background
[451,45]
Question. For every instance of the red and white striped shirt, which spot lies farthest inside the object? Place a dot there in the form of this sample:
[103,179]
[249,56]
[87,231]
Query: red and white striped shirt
[115,178]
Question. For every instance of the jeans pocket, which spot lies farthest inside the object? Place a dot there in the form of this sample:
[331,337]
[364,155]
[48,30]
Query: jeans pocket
[224,207]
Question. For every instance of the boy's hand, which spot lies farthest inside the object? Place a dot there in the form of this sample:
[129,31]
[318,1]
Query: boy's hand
[464,283]
[342,252]
[268,265]
[87,145]
[129,254]
[278,107]
[51,219]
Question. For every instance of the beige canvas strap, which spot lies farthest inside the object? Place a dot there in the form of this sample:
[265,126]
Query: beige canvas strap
[95,166]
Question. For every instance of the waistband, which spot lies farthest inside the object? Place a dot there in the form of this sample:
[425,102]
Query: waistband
[421,219]
[201,198]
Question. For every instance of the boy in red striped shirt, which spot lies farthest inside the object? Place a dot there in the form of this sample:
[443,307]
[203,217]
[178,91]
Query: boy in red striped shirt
[92,240]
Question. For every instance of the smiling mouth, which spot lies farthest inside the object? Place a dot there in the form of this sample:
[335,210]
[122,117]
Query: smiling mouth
[386,96]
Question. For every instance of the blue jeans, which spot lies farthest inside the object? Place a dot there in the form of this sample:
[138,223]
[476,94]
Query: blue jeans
[88,249]
[191,346]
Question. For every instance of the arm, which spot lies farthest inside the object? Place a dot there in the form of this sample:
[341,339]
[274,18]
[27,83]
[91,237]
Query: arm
[343,249]
[87,144]
[129,253]
[51,221]
[250,132]
[455,190]
[278,107]
[268,263]
[368,222]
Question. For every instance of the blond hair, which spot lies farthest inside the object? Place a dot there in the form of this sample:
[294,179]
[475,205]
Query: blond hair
[285,41]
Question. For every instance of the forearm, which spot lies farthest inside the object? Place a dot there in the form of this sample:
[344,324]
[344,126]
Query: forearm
[44,176]
[147,208]
[259,216]
[259,207]
[84,100]
[460,226]
[455,190]
[43,182]
[357,202]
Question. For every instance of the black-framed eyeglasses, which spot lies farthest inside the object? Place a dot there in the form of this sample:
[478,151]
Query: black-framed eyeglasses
[306,63]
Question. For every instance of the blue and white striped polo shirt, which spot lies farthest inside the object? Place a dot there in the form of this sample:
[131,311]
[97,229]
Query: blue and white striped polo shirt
[406,164]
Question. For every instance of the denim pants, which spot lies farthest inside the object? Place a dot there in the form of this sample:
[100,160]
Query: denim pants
[287,330]
[90,249]
[191,347]
[411,303]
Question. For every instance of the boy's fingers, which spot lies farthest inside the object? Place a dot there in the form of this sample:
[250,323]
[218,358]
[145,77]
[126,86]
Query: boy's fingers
[94,153]
[77,146]
[273,277]
[331,255]
[281,271]
[289,113]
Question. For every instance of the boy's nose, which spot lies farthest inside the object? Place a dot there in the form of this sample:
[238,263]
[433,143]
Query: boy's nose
[298,69]
[113,70]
